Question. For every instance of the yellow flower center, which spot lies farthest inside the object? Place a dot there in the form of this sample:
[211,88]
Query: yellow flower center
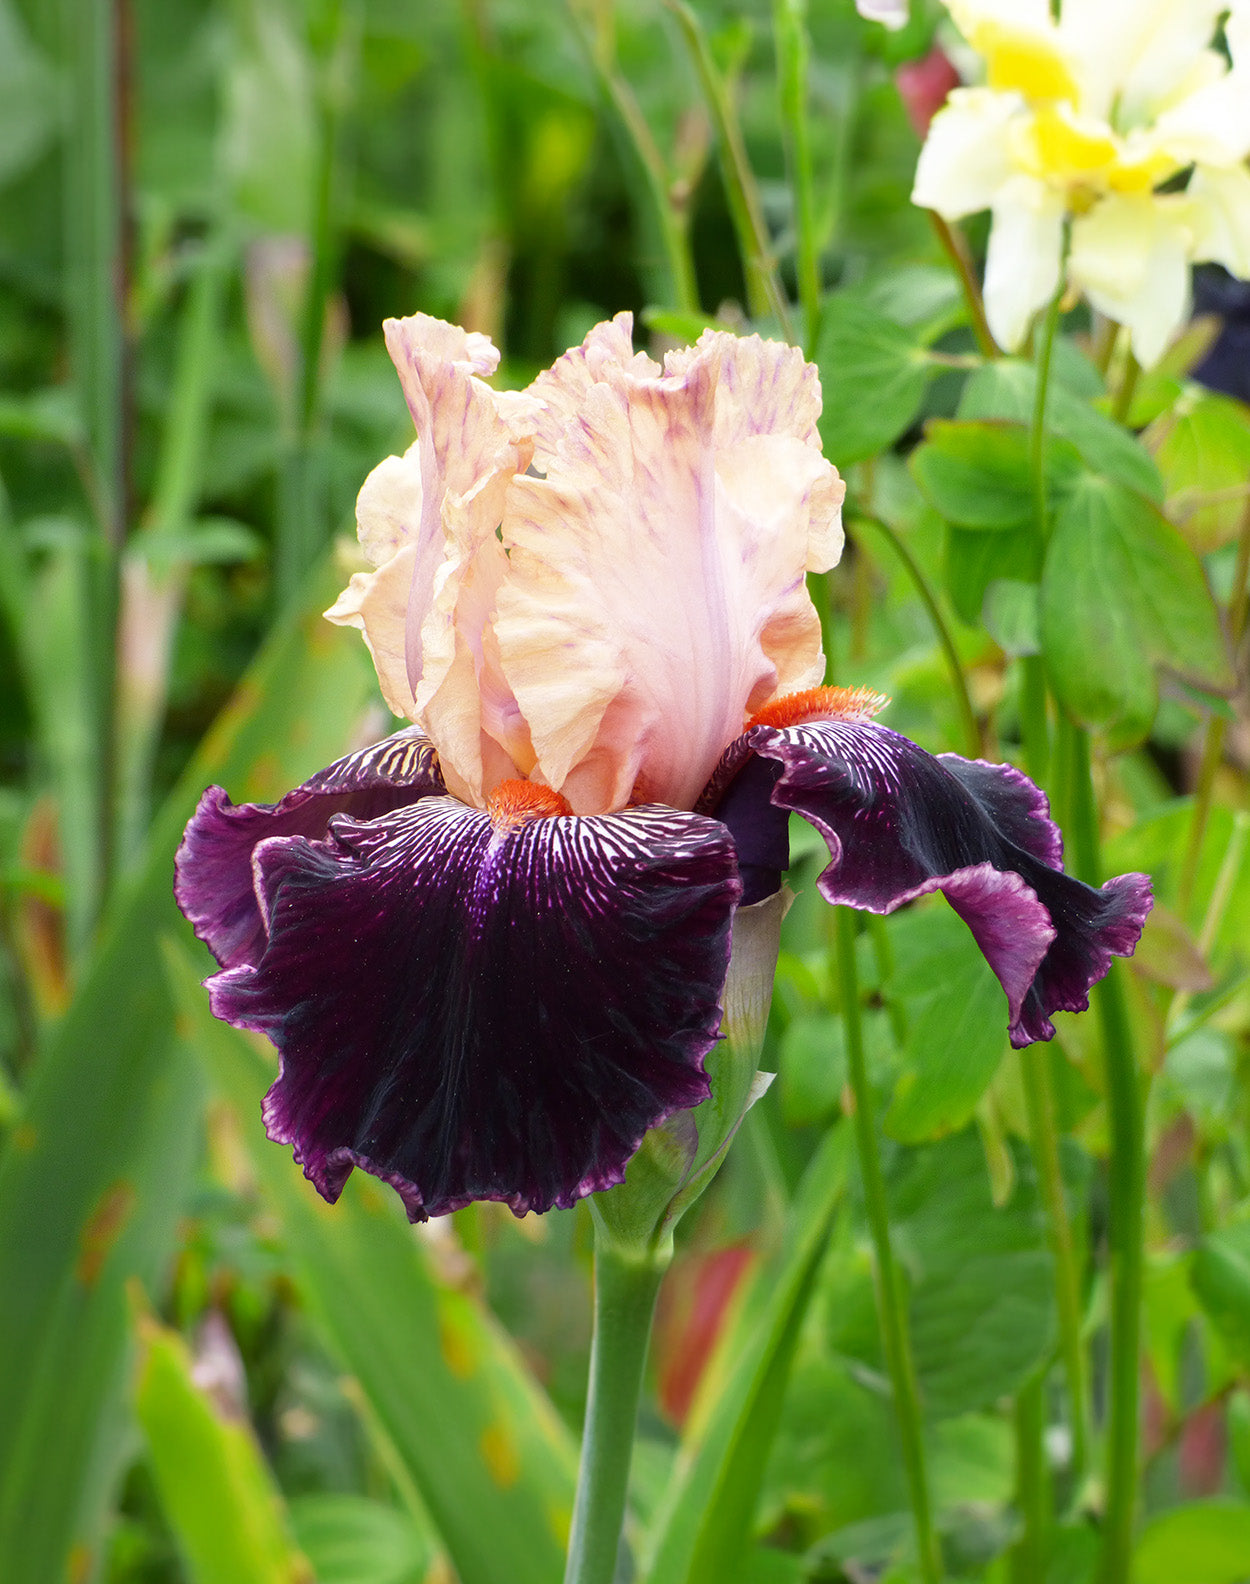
[1019,61]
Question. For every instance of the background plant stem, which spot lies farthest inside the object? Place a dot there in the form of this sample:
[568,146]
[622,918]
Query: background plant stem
[96,39]
[889,1294]
[763,289]
[793,59]
[1126,1185]
[625,1293]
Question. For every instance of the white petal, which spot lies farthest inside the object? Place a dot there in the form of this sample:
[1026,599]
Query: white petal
[1129,255]
[1022,264]
[1210,126]
[1220,214]
[1134,53]
[890,13]
[965,158]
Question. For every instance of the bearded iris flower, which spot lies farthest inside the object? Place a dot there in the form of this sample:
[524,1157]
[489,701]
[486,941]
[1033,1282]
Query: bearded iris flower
[1119,122]
[492,949]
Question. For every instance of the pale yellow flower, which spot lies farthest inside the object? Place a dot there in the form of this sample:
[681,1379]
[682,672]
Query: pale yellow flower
[1119,121]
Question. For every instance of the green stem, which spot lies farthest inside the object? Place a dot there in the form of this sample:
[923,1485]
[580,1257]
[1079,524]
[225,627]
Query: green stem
[1034,725]
[763,288]
[793,57]
[1028,1557]
[1217,726]
[302,525]
[890,1299]
[95,41]
[1037,427]
[956,249]
[625,1293]
[1044,1143]
[1128,389]
[155,579]
[963,699]
[1126,1187]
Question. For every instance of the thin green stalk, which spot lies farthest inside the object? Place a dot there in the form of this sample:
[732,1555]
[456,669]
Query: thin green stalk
[1217,726]
[95,40]
[956,249]
[302,526]
[890,1301]
[1127,390]
[793,46]
[1126,1188]
[625,1293]
[1044,1145]
[764,293]
[1034,726]
[963,699]
[154,582]
[1028,1556]
[671,215]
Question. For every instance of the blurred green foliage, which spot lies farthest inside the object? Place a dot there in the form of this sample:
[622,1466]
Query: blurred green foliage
[207,207]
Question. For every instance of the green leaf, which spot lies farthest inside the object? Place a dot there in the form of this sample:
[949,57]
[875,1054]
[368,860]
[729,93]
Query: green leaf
[1006,388]
[861,351]
[703,1529]
[441,1379]
[1202,448]
[811,1065]
[1012,613]
[1220,1275]
[1122,593]
[982,1296]
[956,1036]
[1205,1543]
[92,1175]
[30,98]
[976,474]
[354,1540]
[225,1510]
[975,560]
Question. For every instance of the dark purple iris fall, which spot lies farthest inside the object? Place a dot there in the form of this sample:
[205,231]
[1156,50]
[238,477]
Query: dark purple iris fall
[492,950]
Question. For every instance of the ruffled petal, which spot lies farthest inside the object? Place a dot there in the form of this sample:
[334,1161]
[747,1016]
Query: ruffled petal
[471,440]
[213,876]
[486,1007]
[900,823]
[655,590]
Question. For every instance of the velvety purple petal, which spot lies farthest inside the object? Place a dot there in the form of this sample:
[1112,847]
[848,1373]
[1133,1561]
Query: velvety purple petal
[900,823]
[472,1009]
[213,881]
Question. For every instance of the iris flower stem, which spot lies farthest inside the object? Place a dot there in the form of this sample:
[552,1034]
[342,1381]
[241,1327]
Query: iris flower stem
[956,249]
[890,1301]
[972,732]
[793,56]
[763,288]
[1126,1194]
[625,1291]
